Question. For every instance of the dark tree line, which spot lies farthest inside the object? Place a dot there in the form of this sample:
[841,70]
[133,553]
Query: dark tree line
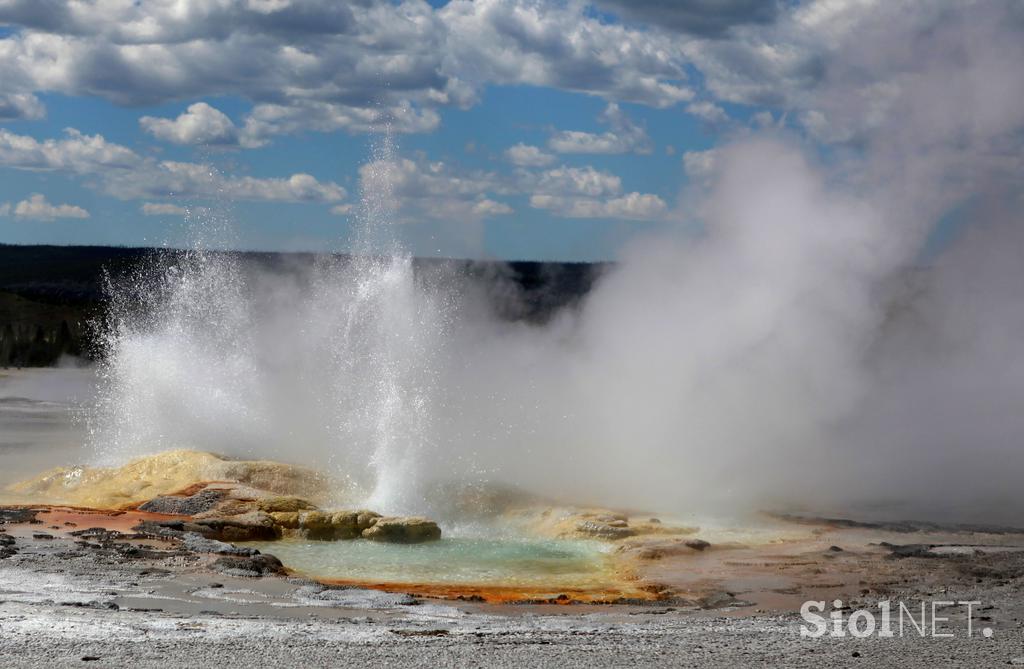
[51,295]
[35,345]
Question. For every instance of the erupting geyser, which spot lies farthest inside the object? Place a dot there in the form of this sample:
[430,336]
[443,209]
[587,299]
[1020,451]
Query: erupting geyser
[336,367]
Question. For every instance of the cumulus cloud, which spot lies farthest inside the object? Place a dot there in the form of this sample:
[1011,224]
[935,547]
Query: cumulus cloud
[199,124]
[700,164]
[623,137]
[326,66]
[708,112]
[632,206]
[162,209]
[708,18]
[335,55]
[359,67]
[525,155]
[123,173]
[136,24]
[585,192]
[562,45]
[585,181]
[267,120]
[342,209]
[438,191]
[772,65]
[206,125]
[488,207]
[14,106]
[160,179]
[36,207]
[76,152]
[434,190]
[352,66]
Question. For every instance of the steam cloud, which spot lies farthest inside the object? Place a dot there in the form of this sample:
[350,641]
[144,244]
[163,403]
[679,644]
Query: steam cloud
[804,349]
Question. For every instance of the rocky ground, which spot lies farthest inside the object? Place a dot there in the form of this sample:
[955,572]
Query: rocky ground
[72,596]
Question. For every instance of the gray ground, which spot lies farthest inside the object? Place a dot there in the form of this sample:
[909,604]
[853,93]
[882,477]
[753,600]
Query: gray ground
[64,603]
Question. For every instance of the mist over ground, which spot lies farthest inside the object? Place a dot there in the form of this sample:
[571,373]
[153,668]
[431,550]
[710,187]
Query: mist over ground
[802,340]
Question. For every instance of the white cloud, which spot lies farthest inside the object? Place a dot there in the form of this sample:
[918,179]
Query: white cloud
[196,180]
[575,181]
[562,45]
[525,155]
[638,206]
[267,120]
[435,190]
[316,64]
[698,17]
[760,65]
[487,207]
[584,192]
[125,174]
[700,164]
[76,153]
[342,209]
[320,64]
[328,59]
[162,209]
[631,206]
[707,111]
[25,106]
[36,207]
[199,124]
[623,137]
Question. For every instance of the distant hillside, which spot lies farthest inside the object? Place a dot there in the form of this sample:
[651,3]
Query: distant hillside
[49,294]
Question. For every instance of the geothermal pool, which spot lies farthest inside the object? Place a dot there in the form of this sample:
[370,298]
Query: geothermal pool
[512,562]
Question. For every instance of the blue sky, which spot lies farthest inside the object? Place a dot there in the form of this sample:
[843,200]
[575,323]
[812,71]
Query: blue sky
[525,130]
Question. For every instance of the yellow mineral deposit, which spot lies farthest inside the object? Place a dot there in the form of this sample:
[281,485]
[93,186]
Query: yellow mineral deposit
[165,473]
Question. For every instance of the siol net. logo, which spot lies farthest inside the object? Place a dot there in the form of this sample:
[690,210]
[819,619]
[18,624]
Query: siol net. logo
[929,619]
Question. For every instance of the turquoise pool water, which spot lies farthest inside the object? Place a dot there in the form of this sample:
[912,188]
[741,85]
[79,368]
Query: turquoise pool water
[457,560]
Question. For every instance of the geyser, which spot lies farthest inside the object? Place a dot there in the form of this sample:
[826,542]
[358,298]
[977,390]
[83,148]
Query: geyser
[336,367]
